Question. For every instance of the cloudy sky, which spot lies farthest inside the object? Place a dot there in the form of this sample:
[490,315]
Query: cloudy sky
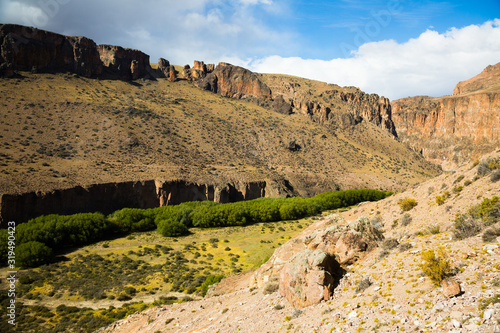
[395,48]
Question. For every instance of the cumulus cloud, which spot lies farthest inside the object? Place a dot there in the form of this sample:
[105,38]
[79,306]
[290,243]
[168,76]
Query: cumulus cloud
[428,65]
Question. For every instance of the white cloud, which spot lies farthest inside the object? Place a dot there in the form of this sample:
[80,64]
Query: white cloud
[428,65]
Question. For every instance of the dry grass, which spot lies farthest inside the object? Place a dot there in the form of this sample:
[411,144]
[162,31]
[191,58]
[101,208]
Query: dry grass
[60,131]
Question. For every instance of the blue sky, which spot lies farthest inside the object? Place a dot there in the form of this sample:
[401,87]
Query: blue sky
[395,48]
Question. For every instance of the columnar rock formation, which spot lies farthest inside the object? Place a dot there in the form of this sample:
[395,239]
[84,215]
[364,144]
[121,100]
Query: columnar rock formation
[30,49]
[452,130]
[109,197]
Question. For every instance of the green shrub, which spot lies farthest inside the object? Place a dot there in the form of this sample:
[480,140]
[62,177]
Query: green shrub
[210,280]
[440,199]
[33,254]
[407,204]
[172,228]
[436,266]
[495,176]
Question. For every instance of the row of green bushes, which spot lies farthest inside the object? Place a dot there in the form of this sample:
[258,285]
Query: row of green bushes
[56,232]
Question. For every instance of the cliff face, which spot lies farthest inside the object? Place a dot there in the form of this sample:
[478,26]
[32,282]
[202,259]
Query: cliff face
[454,129]
[109,197]
[29,49]
[127,63]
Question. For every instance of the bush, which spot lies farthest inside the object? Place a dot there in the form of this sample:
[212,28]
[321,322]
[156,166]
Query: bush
[363,284]
[406,219]
[172,228]
[466,226]
[491,234]
[440,199]
[436,266]
[495,176]
[407,204]
[270,288]
[390,243]
[33,254]
[210,280]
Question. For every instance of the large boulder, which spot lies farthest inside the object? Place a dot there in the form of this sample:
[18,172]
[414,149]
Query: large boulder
[346,242]
[30,49]
[309,277]
[236,82]
[163,67]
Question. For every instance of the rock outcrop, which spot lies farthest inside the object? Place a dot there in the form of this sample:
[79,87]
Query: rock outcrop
[109,197]
[309,277]
[452,130]
[322,249]
[329,104]
[128,64]
[163,68]
[30,49]
[234,81]
[487,79]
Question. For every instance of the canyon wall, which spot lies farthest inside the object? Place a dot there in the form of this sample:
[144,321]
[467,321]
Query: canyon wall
[453,130]
[106,198]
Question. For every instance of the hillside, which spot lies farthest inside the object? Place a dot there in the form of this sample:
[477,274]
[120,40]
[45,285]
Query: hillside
[451,130]
[385,290]
[151,136]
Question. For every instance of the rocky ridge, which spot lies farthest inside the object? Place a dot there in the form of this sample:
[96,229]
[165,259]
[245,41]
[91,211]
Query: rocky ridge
[451,130]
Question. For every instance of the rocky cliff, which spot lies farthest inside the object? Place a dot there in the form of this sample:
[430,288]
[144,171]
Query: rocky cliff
[330,104]
[452,130]
[29,49]
[109,197]
[234,81]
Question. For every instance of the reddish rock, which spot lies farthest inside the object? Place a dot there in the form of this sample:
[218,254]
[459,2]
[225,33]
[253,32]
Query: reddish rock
[118,61]
[236,82]
[281,106]
[200,65]
[449,130]
[487,79]
[25,48]
[134,69]
[451,288]
[309,277]
[172,75]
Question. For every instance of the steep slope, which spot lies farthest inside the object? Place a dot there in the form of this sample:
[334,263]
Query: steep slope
[451,130]
[384,291]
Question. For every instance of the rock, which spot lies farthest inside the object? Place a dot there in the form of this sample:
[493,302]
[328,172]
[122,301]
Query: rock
[236,82]
[323,236]
[279,105]
[172,75]
[163,67]
[309,277]
[25,48]
[451,288]
[456,323]
[127,64]
[488,313]
[452,130]
[292,145]
[134,69]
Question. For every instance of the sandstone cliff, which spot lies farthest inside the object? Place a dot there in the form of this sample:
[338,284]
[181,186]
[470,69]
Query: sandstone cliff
[109,197]
[30,49]
[452,130]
